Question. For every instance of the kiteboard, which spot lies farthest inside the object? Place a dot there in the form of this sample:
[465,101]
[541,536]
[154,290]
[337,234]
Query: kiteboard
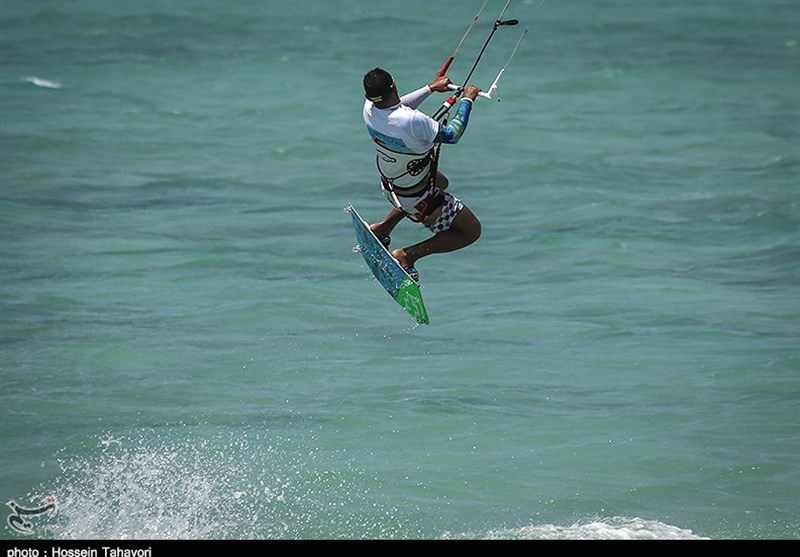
[385,268]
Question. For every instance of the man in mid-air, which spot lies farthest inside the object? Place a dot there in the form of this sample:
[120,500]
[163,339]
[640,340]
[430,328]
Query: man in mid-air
[407,141]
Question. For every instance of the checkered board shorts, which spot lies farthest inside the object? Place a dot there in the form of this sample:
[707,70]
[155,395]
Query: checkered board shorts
[450,209]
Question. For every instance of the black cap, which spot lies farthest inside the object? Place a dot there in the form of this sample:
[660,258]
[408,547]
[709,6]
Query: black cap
[378,85]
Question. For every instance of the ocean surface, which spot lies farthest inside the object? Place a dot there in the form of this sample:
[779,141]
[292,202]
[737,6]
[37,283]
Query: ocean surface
[191,349]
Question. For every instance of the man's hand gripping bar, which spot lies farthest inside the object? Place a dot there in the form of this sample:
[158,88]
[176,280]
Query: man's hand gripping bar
[486,95]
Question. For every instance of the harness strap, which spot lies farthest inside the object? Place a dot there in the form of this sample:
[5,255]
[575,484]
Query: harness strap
[427,206]
[413,167]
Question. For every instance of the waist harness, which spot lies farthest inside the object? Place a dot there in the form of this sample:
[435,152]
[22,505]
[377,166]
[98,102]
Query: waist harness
[430,199]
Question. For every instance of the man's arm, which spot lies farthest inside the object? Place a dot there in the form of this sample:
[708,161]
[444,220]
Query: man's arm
[452,132]
[415,98]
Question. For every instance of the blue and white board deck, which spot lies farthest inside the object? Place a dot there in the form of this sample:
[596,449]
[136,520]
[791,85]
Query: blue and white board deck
[385,268]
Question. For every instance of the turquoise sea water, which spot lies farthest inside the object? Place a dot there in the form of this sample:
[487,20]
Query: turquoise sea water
[190,348]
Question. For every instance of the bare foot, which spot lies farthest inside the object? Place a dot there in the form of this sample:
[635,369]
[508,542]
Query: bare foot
[402,258]
[378,230]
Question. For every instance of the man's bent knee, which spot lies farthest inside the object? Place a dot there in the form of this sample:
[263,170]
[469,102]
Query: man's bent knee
[468,225]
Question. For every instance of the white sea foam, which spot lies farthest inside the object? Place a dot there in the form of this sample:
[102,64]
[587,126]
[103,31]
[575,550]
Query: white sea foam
[46,83]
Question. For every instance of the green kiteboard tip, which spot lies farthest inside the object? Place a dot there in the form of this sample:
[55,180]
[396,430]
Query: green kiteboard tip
[410,298]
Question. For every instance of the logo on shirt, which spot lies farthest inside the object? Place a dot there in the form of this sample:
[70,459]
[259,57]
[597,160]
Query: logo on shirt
[387,142]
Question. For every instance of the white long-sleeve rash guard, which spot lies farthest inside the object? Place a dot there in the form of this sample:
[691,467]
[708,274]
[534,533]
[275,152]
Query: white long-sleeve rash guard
[404,136]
